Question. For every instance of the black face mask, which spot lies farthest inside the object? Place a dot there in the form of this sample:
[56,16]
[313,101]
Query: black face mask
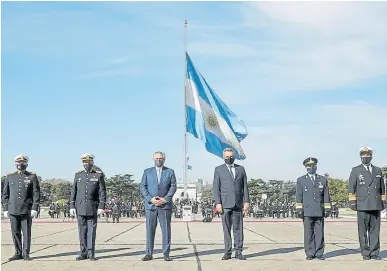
[159,162]
[366,160]
[21,167]
[229,160]
[88,167]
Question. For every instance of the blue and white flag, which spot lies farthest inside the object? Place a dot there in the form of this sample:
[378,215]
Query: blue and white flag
[209,119]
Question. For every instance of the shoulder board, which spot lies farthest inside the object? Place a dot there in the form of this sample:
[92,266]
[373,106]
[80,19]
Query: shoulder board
[78,171]
[98,171]
[32,173]
[10,173]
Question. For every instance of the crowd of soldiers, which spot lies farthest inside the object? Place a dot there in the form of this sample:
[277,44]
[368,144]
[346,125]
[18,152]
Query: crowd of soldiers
[178,205]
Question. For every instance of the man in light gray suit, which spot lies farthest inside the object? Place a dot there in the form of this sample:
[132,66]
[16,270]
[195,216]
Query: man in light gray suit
[158,185]
[231,197]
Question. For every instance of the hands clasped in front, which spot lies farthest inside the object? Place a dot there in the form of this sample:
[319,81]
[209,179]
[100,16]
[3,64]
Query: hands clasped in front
[158,201]
[219,208]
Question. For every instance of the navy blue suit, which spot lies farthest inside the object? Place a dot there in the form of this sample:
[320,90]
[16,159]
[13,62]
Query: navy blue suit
[166,188]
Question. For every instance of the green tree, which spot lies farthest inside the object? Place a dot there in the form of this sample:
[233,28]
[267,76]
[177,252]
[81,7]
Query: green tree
[384,171]
[338,190]
[61,190]
[207,193]
[124,187]
[46,196]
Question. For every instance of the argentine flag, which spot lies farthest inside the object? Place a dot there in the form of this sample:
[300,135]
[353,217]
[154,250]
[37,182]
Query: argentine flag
[209,119]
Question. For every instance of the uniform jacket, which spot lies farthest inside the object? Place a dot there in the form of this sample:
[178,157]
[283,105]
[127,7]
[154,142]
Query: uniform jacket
[150,187]
[368,190]
[88,193]
[21,193]
[228,192]
[313,197]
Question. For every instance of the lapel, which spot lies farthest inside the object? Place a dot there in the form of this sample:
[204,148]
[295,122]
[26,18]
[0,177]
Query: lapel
[162,177]
[373,174]
[154,173]
[236,171]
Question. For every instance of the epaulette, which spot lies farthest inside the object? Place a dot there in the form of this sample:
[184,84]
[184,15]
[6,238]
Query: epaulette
[79,171]
[99,171]
[10,173]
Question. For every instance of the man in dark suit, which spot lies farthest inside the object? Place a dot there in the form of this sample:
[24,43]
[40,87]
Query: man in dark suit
[367,196]
[158,185]
[231,197]
[21,196]
[87,200]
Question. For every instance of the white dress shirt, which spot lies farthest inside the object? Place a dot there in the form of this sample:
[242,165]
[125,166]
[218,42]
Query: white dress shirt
[232,168]
[159,170]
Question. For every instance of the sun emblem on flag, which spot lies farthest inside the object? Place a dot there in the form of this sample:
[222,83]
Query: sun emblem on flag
[211,121]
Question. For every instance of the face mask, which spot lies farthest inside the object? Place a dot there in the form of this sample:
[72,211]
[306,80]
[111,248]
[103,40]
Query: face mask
[311,170]
[366,160]
[159,162]
[21,167]
[229,160]
[88,167]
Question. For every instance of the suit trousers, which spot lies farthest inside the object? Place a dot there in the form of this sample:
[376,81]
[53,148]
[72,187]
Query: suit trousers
[87,229]
[368,223]
[232,217]
[314,243]
[164,218]
[21,223]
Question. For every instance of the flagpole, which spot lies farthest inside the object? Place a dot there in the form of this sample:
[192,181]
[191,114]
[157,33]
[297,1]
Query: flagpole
[185,108]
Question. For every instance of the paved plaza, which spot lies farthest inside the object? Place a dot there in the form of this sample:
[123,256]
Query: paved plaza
[269,245]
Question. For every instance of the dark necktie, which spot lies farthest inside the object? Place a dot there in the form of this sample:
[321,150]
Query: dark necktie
[232,174]
[368,169]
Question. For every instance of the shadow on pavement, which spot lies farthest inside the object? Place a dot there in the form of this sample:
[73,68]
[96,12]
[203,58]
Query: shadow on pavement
[274,252]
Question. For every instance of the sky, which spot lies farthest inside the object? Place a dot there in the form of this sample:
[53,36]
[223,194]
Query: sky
[307,79]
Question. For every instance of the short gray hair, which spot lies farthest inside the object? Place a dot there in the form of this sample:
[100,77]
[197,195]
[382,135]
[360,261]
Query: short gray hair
[159,152]
[228,149]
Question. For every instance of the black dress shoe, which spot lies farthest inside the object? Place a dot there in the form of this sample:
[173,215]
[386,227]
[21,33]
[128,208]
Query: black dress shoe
[309,258]
[239,256]
[81,257]
[375,257]
[93,258]
[226,257]
[15,257]
[147,258]
[26,257]
[366,258]
[320,258]
[167,258]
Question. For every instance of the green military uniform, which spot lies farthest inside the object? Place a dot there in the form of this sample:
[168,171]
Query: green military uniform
[313,205]
[367,196]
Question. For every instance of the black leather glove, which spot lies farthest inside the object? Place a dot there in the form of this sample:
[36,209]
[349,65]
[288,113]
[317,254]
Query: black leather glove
[327,213]
[300,213]
[352,205]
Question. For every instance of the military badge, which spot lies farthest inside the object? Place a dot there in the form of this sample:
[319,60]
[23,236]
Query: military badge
[320,185]
[27,181]
[93,180]
[378,176]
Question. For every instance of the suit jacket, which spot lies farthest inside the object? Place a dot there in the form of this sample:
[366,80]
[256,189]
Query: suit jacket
[21,193]
[150,187]
[368,190]
[228,192]
[313,197]
[88,193]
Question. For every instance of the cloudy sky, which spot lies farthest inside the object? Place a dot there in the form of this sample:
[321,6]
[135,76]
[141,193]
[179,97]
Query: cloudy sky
[308,79]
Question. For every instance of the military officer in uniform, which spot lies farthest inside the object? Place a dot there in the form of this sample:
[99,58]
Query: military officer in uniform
[87,200]
[367,196]
[313,205]
[21,196]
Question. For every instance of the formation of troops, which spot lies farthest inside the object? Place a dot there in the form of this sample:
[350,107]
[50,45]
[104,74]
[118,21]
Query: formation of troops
[88,201]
